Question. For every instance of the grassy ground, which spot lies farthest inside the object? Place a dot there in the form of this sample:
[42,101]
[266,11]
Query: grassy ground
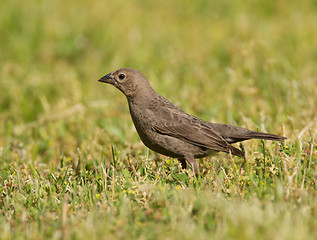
[71,163]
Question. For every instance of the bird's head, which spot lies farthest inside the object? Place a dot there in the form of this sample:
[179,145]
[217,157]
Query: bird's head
[128,80]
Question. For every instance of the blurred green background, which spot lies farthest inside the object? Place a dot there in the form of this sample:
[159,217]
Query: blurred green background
[217,59]
[248,63]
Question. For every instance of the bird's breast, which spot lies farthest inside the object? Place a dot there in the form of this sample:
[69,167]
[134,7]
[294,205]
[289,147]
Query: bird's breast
[144,121]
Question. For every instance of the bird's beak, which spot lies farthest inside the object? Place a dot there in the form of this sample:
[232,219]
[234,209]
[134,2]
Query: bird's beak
[106,79]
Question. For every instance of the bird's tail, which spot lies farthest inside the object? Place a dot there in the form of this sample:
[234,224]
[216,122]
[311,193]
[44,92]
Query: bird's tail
[266,136]
[234,134]
[256,135]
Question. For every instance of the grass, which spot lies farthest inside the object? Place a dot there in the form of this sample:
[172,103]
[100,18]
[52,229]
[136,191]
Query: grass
[71,163]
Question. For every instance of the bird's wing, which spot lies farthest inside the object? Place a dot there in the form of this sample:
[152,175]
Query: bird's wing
[174,122]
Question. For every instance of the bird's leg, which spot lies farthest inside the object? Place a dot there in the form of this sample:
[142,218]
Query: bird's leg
[183,163]
[193,162]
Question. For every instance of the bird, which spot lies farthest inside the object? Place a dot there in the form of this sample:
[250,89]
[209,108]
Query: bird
[166,129]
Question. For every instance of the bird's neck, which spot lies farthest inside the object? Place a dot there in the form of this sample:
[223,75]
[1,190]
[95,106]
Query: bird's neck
[142,98]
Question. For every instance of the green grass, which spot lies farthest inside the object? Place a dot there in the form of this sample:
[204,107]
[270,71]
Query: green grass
[71,164]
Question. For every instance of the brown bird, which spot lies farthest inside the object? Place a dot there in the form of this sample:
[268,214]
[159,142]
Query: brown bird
[168,130]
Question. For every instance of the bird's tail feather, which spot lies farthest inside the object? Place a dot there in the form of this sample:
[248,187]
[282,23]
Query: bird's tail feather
[266,136]
[256,135]
[234,134]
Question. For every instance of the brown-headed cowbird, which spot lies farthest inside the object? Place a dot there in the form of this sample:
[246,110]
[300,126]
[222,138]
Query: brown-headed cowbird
[168,130]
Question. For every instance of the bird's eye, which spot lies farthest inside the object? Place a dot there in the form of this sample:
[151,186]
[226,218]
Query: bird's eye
[121,76]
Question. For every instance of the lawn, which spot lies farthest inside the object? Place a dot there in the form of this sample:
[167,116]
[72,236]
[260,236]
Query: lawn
[71,163]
